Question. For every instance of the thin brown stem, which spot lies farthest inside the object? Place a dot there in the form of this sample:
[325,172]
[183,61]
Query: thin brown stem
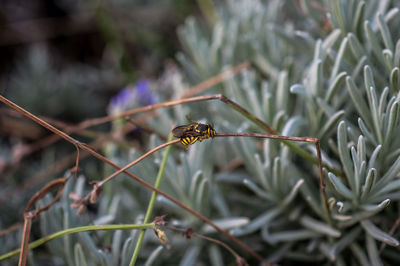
[123,169]
[28,217]
[322,184]
[59,182]
[268,136]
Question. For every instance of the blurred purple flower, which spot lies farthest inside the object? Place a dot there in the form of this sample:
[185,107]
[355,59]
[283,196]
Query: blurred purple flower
[131,97]
[144,93]
[122,99]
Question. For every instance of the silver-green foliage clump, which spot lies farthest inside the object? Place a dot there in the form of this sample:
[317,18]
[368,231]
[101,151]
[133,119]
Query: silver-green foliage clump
[324,69]
[345,93]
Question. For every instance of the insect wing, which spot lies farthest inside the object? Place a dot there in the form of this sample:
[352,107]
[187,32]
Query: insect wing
[184,131]
[192,133]
[180,131]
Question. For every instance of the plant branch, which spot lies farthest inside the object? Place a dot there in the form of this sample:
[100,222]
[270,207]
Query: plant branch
[29,216]
[123,169]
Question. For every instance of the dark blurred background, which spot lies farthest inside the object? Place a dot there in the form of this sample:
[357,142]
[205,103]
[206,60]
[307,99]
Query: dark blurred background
[88,49]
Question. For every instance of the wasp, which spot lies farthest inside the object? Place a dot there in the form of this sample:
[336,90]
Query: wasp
[191,133]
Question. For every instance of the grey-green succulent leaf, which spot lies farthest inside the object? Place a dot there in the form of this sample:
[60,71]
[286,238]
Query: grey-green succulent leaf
[341,188]
[154,256]
[373,252]
[378,234]
[256,223]
[79,256]
[227,224]
[319,227]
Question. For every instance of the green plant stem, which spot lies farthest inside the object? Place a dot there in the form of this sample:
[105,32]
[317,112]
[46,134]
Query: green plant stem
[151,203]
[45,239]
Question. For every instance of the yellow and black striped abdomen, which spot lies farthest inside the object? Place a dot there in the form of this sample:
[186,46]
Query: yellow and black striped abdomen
[189,134]
[189,140]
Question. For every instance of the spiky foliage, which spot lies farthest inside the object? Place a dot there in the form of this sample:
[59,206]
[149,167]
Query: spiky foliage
[339,84]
